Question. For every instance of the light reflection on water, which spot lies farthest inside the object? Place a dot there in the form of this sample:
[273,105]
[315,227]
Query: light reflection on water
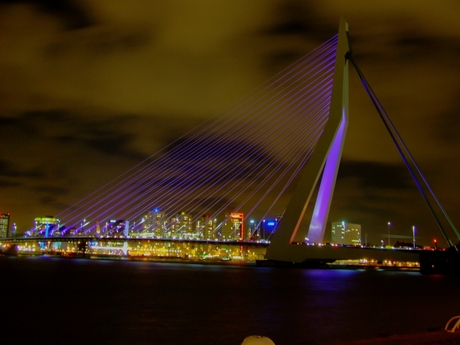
[127,302]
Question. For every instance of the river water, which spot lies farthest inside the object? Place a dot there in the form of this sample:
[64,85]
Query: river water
[49,300]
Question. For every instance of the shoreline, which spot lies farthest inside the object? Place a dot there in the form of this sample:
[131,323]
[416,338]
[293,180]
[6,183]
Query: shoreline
[258,263]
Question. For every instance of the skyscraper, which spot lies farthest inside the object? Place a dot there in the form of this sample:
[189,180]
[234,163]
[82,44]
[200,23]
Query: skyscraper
[154,224]
[4,225]
[205,227]
[232,228]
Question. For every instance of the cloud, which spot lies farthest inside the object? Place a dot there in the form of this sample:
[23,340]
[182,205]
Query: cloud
[140,64]
[71,15]
[8,170]
[376,175]
[58,156]
[89,88]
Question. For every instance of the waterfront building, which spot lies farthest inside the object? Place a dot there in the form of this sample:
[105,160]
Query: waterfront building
[46,226]
[225,231]
[4,225]
[232,227]
[237,221]
[346,233]
[116,228]
[180,226]
[206,227]
[154,224]
[200,226]
[268,227]
[253,233]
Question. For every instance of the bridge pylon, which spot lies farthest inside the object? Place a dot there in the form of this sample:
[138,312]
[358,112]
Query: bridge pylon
[322,166]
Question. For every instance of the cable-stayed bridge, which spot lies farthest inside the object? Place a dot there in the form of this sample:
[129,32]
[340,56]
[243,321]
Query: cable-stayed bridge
[243,160]
[284,139]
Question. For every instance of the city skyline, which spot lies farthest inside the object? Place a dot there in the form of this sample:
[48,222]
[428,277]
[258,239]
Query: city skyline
[157,224]
[86,86]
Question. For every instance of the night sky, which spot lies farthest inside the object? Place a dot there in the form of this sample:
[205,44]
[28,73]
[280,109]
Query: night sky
[89,88]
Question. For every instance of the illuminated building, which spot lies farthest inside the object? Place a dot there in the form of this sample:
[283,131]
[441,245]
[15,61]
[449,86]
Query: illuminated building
[4,225]
[233,229]
[180,226]
[154,224]
[200,226]
[253,234]
[237,221]
[116,228]
[268,226]
[225,229]
[346,233]
[205,227]
[46,226]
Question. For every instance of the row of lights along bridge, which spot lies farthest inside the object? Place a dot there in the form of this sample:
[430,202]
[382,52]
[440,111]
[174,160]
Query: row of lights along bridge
[155,224]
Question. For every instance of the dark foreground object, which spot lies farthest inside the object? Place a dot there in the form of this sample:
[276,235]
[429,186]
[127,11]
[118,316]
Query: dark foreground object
[429,338]
[10,251]
[440,262]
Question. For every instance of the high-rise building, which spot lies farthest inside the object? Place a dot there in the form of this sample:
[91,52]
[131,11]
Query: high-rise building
[253,234]
[200,226]
[210,229]
[205,227]
[154,224]
[237,219]
[4,225]
[232,228]
[268,227]
[346,233]
[180,226]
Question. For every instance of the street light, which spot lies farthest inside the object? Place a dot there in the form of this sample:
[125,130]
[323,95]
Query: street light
[389,237]
[413,234]
[263,229]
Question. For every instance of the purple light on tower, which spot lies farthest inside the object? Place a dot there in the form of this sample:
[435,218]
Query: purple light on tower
[323,201]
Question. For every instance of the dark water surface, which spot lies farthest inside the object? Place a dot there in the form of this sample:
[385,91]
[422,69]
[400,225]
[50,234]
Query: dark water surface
[82,301]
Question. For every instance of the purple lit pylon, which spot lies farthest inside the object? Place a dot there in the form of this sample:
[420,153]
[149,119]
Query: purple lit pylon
[326,189]
[324,164]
